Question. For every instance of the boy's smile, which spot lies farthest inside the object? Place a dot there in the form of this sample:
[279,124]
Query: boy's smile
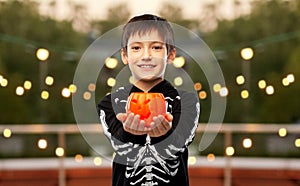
[147,57]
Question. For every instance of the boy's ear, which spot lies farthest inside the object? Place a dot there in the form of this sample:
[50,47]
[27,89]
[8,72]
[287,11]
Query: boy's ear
[124,56]
[171,56]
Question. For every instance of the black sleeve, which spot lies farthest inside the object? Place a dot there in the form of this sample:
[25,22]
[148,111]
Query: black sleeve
[185,122]
[113,128]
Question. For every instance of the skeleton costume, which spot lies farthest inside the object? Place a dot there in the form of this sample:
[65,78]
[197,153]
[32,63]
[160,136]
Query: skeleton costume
[145,161]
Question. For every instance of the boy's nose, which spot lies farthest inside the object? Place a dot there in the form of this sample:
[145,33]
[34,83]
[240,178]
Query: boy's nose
[147,55]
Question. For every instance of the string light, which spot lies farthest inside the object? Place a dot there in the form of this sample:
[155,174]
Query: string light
[179,62]
[7,133]
[42,54]
[229,151]
[240,79]
[247,53]
[59,151]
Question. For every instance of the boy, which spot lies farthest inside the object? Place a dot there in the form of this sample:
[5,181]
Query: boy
[156,154]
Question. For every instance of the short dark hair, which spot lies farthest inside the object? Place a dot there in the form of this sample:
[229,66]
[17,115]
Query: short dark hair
[146,23]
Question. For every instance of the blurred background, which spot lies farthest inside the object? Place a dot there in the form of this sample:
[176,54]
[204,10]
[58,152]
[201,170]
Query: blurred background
[256,44]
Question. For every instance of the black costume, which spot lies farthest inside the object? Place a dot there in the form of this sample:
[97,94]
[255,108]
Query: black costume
[141,160]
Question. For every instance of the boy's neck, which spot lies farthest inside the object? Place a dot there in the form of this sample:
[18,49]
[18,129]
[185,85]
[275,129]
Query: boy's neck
[146,86]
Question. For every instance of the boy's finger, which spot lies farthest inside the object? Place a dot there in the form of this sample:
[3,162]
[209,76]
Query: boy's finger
[121,117]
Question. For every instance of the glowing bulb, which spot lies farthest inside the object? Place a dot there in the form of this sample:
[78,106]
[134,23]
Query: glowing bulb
[4,82]
[217,87]
[297,142]
[111,63]
[65,92]
[49,80]
[42,143]
[229,151]
[78,158]
[270,90]
[19,91]
[202,94]
[45,94]
[111,82]
[42,54]
[27,85]
[72,88]
[245,94]
[87,95]
[92,87]
[7,133]
[97,161]
[211,157]
[290,78]
[223,91]
[247,143]
[179,62]
[59,151]
[192,160]
[240,80]
[285,82]
[178,81]
[197,86]
[282,132]
[247,53]
[262,84]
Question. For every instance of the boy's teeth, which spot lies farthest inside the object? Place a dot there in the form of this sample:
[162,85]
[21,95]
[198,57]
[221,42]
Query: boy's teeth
[146,66]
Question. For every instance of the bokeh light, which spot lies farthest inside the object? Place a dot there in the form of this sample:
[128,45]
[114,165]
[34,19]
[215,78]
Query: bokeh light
[247,53]
[78,158]
[192,160]
[179,62]
[262,84]
[59,151]
[111,82]
[42,54]
[7,133]
[87,95]
[229,151]
[297,142]
[178,81]
[244,94]
[45,94]
[282,132]
[247,143]
[49,80]
[72,88]
[270,90]
[97,161]
[4,82]
[197,86]
[42,143]
[210,157]
[27,85]
[20,91]
[217,87]
[111,63]
[240,80]
[92,87]
[66,92]
[224,92]
[202,94]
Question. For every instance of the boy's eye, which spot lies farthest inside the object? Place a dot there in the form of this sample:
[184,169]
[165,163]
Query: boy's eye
[135,48]
[157,47]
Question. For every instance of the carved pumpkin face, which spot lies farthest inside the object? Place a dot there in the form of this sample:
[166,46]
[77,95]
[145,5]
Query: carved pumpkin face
[147,105]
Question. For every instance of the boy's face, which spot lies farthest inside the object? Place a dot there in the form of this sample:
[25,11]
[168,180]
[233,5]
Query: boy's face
[147,56]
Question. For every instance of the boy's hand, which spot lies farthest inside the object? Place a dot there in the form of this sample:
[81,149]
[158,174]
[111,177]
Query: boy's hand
[161,125]
[133,124]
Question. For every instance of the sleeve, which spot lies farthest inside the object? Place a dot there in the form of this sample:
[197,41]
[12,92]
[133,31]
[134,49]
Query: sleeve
[186,110]
[122,142]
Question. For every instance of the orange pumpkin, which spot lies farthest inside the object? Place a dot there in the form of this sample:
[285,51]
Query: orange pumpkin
[147,105]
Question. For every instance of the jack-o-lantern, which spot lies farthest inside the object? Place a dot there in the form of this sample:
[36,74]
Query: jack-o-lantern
[147,105]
